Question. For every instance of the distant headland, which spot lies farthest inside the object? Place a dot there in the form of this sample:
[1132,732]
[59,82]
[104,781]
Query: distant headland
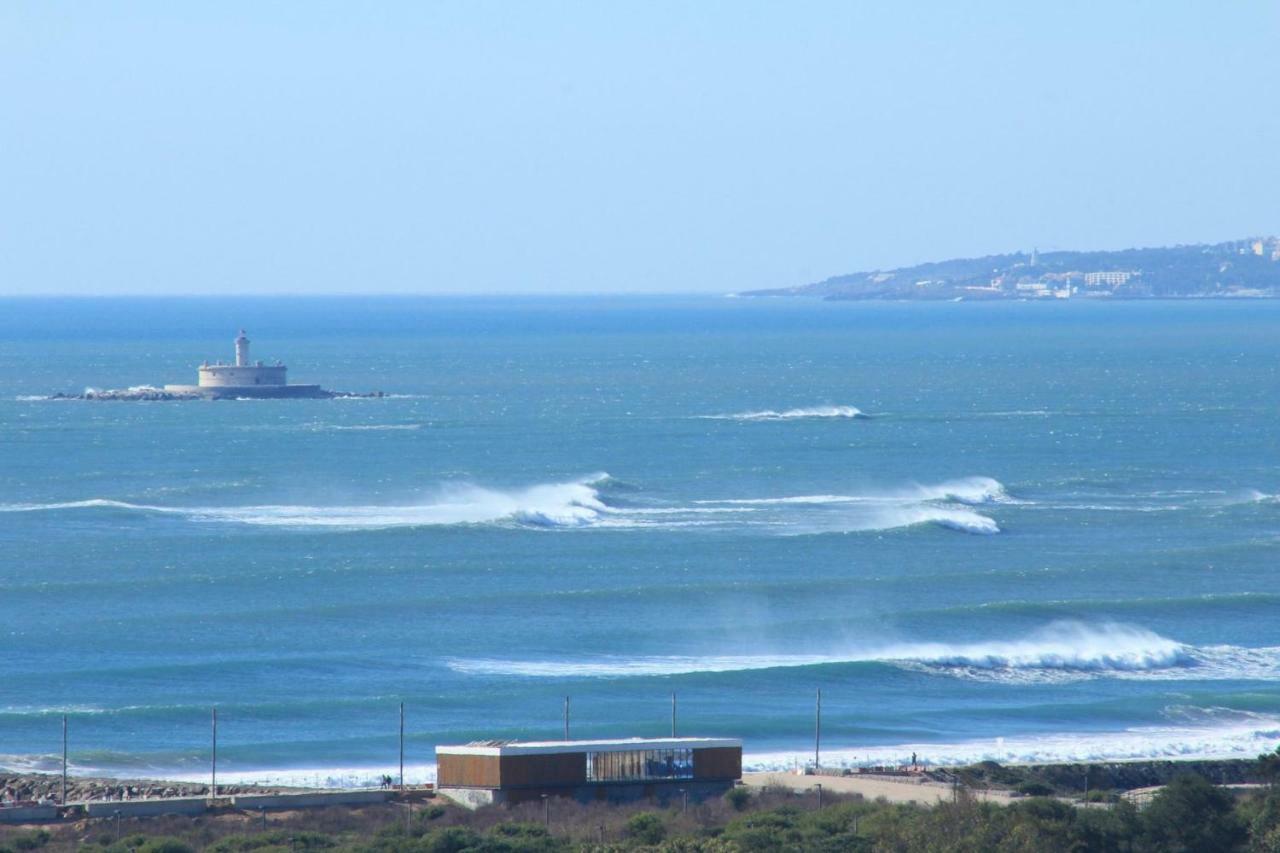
[241,380]
[1238,269]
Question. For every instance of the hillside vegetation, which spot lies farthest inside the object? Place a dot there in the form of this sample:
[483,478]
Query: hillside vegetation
[1240,268]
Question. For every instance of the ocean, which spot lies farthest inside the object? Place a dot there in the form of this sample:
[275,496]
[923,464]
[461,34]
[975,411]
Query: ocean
[1013,531]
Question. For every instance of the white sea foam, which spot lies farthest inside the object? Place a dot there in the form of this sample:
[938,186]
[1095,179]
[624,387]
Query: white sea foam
[1212,733]
[91,503]
[1063,651]
[793,414]
[579,503]
[1250,496]
[314,777]
[1187,734]
[968,490]
[946,504]
[567,504]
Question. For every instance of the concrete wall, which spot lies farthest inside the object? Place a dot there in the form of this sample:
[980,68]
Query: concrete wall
[147,808]
[471,798]
[28,814]
[310,799]
[217,376]
[610,792]
[270,392]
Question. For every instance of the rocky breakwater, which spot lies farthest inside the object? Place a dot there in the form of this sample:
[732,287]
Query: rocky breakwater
[140,392]
[47,788]
[150,392]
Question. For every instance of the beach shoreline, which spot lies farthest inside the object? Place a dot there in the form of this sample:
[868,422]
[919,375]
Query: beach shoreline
[897,783]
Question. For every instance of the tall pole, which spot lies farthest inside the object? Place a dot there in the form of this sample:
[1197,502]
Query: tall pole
[673,713]
[566,718]
[64,759]
[213,778]
[817,732]
[402,747]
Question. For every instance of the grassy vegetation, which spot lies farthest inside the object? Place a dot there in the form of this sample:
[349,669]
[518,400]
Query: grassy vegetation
[1189,815]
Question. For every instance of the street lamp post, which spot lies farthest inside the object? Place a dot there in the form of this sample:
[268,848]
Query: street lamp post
[817,732]
[64,759]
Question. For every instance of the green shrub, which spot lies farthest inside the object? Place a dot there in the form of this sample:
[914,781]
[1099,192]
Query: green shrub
[449,839]
[647,828]
[737,798]
[32,840]
[164,845]
[1035,789]
[1189,814]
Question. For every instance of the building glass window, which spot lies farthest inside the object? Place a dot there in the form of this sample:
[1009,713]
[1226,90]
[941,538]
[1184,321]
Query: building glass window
[639,765]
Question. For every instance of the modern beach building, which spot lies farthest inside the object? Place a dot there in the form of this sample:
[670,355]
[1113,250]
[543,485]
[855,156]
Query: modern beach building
[487,772]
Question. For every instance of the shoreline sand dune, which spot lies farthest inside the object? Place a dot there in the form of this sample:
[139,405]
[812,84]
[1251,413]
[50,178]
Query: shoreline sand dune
[895,789]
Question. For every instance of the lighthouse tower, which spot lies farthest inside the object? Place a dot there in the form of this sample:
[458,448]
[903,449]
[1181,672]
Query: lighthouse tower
[245,378]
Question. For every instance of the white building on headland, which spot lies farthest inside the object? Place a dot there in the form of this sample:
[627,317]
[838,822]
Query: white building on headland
[245,378]
[1114,278]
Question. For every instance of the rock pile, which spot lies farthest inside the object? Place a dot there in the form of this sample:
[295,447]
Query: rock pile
[28,788]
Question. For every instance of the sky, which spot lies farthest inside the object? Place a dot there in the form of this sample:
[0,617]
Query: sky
[619,147]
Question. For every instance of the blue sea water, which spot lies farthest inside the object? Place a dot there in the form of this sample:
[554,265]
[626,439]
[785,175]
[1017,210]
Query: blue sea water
[1015,531]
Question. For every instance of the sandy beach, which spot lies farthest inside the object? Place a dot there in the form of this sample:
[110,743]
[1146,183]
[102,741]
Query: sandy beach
[895,789]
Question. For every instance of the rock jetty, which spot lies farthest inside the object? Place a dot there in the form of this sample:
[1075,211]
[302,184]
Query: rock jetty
[47,788]
[149,392]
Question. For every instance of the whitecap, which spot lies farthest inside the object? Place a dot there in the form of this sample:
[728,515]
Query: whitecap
[794,414]
[579,503]
[1061,651]
[1212,733]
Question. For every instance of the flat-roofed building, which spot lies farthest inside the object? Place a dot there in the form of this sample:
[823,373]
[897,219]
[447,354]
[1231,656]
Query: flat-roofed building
[617,770]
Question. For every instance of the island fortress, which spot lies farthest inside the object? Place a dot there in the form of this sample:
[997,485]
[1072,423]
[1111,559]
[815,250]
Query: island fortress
[245,378]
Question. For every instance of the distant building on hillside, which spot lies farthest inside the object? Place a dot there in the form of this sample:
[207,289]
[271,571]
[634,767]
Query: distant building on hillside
[1112,279]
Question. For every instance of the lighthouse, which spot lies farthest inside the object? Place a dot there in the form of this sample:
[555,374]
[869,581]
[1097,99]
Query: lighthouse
[245,378]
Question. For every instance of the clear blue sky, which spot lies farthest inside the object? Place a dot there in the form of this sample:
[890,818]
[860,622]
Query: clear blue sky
[522,147]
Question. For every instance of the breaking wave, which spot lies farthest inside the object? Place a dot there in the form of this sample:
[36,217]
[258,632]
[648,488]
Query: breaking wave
[568,504]
[794,414]
[583,503]
[1190,733]
[948,504]
[968,490]
[1062,651]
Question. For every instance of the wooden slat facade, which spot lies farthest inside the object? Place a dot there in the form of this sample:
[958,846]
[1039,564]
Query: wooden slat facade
[562,769]
[468,771]
[718,763]
[511,771]
[523,771]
